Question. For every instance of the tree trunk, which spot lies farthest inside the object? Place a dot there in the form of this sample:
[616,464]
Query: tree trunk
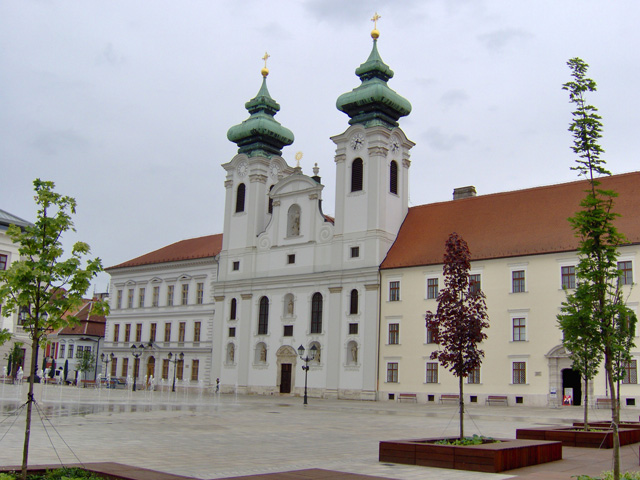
[461,379]
[615,415]
[586,404]
[30,400]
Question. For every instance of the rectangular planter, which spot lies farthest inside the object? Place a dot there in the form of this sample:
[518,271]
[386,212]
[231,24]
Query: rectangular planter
[489,457]
[570,437]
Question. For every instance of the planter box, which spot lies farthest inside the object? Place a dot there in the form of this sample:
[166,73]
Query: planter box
[570,437]
[107,470]
[489,457]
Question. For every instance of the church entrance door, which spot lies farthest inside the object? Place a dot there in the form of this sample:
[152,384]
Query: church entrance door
[285,378]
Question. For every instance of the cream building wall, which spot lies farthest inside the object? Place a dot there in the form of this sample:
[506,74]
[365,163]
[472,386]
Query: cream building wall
[541,350]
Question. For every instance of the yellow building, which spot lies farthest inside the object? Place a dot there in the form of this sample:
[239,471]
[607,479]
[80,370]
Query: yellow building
[523,254]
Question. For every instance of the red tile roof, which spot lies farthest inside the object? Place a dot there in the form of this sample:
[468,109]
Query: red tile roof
[192,248]
[509,224]
[90,324]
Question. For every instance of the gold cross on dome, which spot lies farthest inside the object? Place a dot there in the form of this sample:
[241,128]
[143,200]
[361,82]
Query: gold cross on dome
[375,19]
[266,56]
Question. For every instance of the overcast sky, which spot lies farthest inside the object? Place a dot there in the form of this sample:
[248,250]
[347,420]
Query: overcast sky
[125,105]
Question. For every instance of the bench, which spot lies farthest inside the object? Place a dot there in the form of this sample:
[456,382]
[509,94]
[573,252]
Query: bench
[603,402]
[408,396]
[500,399]
[450,398]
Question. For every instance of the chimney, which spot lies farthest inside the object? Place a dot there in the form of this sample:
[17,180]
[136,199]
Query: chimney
[464,192]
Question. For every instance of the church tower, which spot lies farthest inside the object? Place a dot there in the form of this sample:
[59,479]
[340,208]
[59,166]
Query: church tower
[252,172]
[372,162]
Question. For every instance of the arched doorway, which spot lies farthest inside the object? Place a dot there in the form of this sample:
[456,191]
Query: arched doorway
[286,359]
[151,367]
[572,379]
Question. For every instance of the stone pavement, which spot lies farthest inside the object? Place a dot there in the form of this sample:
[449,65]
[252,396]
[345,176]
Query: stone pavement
[208,436]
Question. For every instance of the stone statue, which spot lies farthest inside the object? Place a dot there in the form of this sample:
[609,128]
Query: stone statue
[354,353]
[290,307]
[231,353]
[263,353]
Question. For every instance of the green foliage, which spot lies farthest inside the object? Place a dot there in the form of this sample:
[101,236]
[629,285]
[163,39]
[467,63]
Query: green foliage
[87,362]
[609,476]
[57,474]
[473,440]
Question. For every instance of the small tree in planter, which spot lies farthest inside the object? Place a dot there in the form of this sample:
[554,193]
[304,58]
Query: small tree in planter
[87,362]
[457,326]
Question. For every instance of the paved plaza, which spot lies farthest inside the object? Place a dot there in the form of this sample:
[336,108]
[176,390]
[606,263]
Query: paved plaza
[216,436]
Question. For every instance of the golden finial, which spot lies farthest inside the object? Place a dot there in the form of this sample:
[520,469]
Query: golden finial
[298,158]
[375,33]
[265,70]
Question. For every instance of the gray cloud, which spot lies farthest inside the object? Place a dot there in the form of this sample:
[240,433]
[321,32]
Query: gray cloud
[110,56]
[499,39]
[441,141]
[454,97]
[53,142]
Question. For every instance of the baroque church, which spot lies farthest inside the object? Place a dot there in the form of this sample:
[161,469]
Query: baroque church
[283,274]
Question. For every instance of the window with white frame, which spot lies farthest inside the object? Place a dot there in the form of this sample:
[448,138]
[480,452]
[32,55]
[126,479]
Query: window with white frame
[519,372]
[518,281]
[630,372]
[519,329]
[141,298]
[3,261]
[474,376]
[432,372]
[432,288]
[394,333]
[626,272]
[475,283]
[155,300]
[394,291]
[392,372]
[568,276]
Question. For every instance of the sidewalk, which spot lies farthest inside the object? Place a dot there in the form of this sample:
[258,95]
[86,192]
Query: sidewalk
[207,437]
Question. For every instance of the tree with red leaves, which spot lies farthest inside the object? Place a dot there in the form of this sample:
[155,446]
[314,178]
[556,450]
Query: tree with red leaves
[457,326]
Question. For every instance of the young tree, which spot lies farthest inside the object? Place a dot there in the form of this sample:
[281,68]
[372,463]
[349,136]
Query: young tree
[87,363]
[457,326]
[43,284]
[598,299]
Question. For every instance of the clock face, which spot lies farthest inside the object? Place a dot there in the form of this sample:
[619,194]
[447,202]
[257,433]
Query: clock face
[357,141]
[394,144]
[274,169]
[242,169]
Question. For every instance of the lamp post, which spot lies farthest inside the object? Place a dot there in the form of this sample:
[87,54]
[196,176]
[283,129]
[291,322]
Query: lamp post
[305,367]
[136,356]
[106,359]
[178,358]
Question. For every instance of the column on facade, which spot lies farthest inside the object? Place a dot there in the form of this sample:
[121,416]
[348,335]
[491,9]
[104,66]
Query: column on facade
[369,347]
[333,348]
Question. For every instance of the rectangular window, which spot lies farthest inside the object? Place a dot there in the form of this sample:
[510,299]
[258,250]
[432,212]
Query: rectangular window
[355,252]
[232,332]
[152,332]
[138,332]
[167,332]
[394,291]
[180,369]
[196,331]
[181,329]
[114,367]
[519,372]
[125,367]
[431,337]
[394,333]
[517,281]
[291,259]
[432,372]
[353,329]
[70,355]
[474,376]
[392,372]
[288,331]
[130,298]
[155,301]
[119,301]
[195,366]
[626,273]
[170,295]
[475,283]
[141,298]
[3,262]
[62,348]
[568,275]
[185,294]
[630,372]
[200,293]
[79,351]
[165,368]
[236,266]
[116,333]
[519,329]
[127,332]
[432,288]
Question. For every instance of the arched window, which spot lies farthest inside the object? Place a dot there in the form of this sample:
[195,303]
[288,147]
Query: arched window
[356,175]
[353,304]
[393,177]
[263,316]
[151,368]
[316,313]
[234,309]
[293,221]
[240,198]
[270,208]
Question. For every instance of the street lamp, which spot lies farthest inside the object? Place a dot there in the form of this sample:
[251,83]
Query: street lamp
[106,359]
[178,358]
[305,367]
[136,362]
